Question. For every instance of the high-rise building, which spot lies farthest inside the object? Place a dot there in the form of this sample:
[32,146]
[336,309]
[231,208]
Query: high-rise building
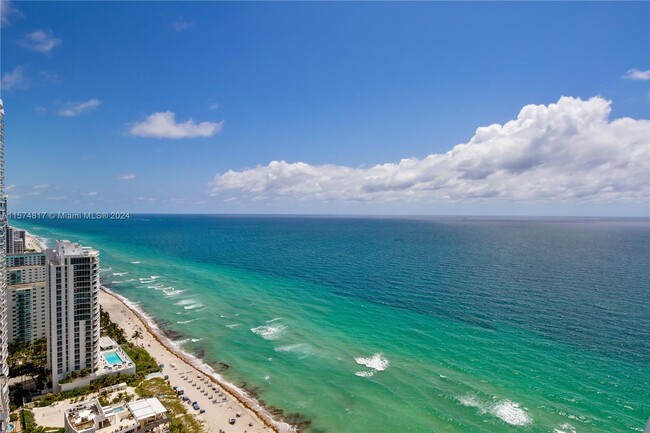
[15,240]
[73,285]
[28,297]
[4,367]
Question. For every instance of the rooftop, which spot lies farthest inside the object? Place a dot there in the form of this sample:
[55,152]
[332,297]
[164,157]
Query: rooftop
[145,409]
[67,248]
[91,415]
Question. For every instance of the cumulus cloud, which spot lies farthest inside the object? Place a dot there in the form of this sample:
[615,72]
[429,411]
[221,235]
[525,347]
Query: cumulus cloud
[14,79]
[40,41]
[164,125]
[567,151]
[636,74]
[125,176]
[73,109]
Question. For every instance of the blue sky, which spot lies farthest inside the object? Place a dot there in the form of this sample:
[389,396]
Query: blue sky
[337,94]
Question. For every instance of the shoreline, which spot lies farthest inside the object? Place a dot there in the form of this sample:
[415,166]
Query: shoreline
[35,243]
[198,367]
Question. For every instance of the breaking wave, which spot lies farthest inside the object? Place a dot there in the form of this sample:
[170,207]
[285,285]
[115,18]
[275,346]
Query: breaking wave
[269,332]
[508,411]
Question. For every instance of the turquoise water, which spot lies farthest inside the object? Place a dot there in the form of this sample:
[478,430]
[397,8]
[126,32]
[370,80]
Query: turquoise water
[385,325]
[112,358]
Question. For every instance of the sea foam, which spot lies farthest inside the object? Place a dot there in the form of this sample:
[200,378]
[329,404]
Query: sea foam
[185,302]
[376,362]
[564,428]
[508,411]
[269,332]
[301,349]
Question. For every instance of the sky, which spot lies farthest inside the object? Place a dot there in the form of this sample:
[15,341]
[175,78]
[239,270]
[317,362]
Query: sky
[327,108]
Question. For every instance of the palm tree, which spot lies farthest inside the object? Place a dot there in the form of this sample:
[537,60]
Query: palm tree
[137,335]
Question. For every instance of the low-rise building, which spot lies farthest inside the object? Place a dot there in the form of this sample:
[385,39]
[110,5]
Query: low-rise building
[141,416]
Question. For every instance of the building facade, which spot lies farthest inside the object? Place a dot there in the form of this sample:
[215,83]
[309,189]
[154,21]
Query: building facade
[73,285]
[4,368]
[28,297]
[14,240]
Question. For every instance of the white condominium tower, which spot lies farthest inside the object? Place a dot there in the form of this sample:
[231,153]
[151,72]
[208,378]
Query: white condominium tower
[4,368]
[73,285]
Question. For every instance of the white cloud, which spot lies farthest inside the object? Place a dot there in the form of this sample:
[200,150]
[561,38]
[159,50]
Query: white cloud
[125,176]
[636,74]
[15,79]
[213,106]
[40,41]
[39,189]
[8,10]
[91,194]
[163,125]
[568,151]
[49,77]
[181,25]
[73,109]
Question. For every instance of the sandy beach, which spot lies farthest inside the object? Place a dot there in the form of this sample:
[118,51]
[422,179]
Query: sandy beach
[220,400]
[31,243]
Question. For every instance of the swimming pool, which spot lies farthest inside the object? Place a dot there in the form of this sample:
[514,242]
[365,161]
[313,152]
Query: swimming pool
[113,358]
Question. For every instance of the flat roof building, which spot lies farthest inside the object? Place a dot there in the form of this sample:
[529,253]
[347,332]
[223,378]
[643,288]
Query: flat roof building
[147,415]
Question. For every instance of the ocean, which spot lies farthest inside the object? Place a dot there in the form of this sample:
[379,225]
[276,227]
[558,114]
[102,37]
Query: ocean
[389,325]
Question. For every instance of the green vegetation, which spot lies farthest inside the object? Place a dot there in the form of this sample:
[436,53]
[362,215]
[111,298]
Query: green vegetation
[181,420]
[93,386]
[120,397]
[109,328]
[144,363]
[74,375]
[137,335]
[29,425]
[29,359]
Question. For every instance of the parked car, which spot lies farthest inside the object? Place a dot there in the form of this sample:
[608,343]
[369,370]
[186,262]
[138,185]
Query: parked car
[196,406]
